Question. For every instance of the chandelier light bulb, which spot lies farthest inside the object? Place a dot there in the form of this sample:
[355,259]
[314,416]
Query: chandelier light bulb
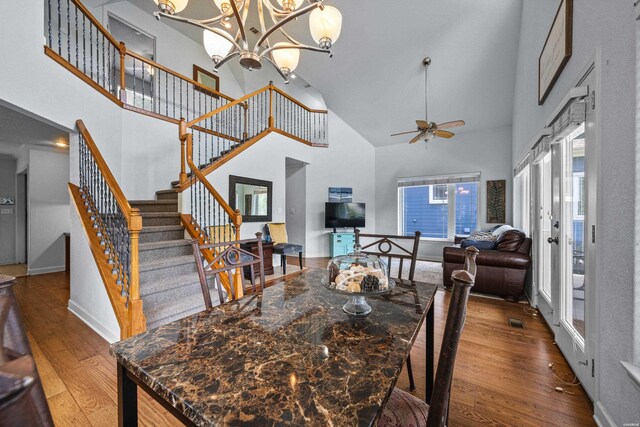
[290,5]
[217,47]
[225,5]
[286,59]
[171,6]
[325,25]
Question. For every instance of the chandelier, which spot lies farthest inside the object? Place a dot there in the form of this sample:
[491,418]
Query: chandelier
[325,23]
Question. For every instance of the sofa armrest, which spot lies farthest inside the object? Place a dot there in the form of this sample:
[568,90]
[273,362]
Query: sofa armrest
[458,238]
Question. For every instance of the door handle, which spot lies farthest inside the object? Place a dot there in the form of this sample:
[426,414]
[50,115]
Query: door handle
[553,240]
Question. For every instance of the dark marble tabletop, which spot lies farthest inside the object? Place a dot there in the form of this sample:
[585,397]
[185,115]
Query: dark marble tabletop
[288,356]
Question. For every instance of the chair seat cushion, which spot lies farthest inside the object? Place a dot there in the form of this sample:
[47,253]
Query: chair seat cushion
[287,248]
[404,409]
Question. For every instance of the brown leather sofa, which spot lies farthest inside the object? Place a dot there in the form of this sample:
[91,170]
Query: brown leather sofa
[501,271]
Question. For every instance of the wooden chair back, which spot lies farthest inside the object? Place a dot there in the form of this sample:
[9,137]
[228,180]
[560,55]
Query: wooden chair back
[229,258]
[392,248]
[463,281]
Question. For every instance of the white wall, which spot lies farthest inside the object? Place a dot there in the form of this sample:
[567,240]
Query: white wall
[607,27]
[487,152]
[48,208]
[343,164]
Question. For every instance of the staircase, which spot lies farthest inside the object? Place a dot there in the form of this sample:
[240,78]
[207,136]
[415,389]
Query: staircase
[169,283]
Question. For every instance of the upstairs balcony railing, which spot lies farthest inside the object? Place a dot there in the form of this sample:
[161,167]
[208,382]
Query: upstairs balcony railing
[79,42]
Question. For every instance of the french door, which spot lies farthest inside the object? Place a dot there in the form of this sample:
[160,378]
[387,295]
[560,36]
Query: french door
[566,245]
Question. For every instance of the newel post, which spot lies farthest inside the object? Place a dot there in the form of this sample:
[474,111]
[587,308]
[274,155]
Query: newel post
[123,82]
[237,280]
[182,132]
[271,120]
[136,319]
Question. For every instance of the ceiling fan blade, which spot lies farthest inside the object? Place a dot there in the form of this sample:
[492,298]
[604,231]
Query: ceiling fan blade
[404,133]
[453,124]
[443,133]
[416,138]
[423,125]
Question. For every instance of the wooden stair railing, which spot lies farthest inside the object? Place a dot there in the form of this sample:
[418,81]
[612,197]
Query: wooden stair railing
[79,42]
[223,133]
[112,227]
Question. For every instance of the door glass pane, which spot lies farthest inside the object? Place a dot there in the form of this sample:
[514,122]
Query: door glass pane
[545,219]
[575,214]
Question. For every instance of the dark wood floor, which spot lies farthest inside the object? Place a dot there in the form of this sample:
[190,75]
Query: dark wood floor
[502,376]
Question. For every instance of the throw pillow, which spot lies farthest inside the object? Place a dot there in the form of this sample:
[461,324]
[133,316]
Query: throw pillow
[278,232]
[481,245]
[497,232]
[482,236]
[510,240]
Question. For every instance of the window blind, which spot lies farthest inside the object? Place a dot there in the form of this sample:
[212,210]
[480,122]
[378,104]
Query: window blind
[568,121]
[522,165]
[438,179]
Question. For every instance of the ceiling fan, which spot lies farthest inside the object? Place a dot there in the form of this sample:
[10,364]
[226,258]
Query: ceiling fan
[430,130]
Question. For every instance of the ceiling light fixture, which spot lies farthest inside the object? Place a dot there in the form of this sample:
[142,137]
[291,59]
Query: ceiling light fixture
[325,24]
[62,144]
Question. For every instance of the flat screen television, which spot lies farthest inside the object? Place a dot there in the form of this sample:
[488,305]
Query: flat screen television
[344,215]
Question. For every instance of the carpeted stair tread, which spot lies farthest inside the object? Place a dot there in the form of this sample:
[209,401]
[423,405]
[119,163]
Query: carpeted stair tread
[159,215]
[164,244]
[160,228]
[167,262]
[172,283]
[167,195]
[162,314]
[153,202]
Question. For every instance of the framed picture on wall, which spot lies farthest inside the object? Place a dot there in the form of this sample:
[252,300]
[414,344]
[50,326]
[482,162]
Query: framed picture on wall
[207,79]
[496,201]
[556,51]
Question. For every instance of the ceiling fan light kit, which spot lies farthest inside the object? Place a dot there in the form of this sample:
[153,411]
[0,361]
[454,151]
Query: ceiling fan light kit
[325,25]
[430,130]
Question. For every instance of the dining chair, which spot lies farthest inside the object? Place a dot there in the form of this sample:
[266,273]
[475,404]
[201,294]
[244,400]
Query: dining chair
[228,258]
[403,408]
[396,250]
[281,245]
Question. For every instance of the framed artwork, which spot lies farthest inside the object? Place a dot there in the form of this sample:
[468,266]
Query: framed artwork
[7,201]
[207,79]
[556,51]
[341,194]
[496,201]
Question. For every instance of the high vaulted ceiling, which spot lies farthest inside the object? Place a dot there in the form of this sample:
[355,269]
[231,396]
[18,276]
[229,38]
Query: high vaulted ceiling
[375,80]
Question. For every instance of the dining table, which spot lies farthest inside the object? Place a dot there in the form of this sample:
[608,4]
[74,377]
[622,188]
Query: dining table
[287,355]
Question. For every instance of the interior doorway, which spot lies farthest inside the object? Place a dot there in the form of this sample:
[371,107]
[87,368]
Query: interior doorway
[22,218]
[296,200]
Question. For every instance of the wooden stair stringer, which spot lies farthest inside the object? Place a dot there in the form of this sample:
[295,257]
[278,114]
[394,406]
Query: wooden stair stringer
[118,302]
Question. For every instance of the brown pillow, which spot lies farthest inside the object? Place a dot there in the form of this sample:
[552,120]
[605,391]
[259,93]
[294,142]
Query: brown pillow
[510,241]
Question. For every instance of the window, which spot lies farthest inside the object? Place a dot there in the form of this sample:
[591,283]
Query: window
[438,194]
[438,207]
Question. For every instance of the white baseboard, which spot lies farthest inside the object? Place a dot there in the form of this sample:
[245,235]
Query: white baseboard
[45,270]
[90,321]
[601,416]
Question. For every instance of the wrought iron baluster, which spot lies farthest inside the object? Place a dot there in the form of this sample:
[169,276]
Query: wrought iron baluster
[50,19]
[84,45]
[134,81]
[59,30]
[68,32]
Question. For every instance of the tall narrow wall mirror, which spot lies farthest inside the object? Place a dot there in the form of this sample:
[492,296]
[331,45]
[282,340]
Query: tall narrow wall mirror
[252,197]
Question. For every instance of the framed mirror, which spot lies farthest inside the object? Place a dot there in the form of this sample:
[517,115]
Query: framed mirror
[252,196]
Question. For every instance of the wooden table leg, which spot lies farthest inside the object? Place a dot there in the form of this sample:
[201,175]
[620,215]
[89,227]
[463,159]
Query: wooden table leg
[127,399]
[430,359]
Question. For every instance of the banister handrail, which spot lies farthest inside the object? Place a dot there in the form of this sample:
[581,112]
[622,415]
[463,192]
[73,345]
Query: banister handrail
[226,107]
[237,218]
[177,74]
[134,219]
[295,101]
[97,23]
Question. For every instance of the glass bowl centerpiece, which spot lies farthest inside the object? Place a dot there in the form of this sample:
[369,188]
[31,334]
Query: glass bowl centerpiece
[358,275]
